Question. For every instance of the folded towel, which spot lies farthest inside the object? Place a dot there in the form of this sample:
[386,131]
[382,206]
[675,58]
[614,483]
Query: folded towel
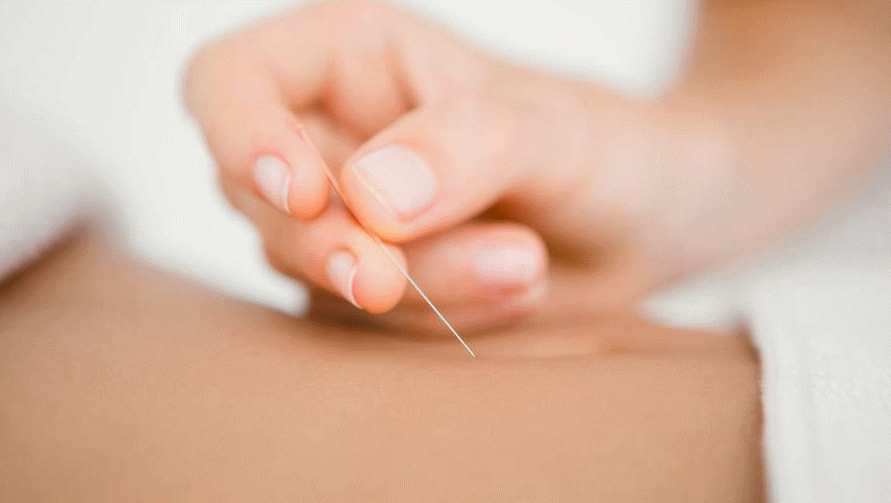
[821,321]
[824,336]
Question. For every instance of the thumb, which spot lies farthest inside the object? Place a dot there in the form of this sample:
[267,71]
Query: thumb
[439,166]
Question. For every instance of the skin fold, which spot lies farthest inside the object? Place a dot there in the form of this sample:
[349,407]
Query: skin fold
[122,383]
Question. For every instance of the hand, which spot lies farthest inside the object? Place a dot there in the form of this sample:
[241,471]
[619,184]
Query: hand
[492,182]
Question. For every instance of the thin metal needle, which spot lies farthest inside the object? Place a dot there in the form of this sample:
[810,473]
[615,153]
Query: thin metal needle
[392,257]
[421,292]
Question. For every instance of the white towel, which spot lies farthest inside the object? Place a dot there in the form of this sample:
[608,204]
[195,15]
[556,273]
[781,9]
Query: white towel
[824,336]
[822,324]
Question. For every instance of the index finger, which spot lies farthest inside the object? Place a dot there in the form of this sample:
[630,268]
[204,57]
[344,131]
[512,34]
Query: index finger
[363,63]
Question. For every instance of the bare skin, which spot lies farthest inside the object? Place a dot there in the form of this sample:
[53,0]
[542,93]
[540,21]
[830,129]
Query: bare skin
[120,383]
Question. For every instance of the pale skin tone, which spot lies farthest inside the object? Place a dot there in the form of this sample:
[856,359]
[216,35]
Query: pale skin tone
[598,198]
[120,383]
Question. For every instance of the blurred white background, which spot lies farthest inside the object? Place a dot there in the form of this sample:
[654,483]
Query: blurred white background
[105,76]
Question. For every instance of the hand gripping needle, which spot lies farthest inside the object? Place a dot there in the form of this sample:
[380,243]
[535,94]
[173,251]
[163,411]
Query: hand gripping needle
[396,263]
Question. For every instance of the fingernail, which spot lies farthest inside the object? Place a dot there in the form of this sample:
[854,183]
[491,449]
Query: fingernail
[506,266]
[399,178]
[341,269]
[273,178]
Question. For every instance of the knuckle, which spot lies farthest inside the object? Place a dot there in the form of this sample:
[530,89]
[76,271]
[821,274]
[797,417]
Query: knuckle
[481,120]
[275,259]
[203,54]
[471,112]
[399,234]
[359,8]
[203,58]
[355,16]
[214,64]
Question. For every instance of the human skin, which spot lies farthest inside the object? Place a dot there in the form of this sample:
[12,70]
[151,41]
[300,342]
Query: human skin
[121,383]
[781,109]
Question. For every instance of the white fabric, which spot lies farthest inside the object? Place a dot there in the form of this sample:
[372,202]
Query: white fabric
[821,320]
[824,337]
[44,188]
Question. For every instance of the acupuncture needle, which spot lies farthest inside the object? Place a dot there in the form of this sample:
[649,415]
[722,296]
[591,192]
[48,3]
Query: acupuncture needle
[423,295]
[390,255]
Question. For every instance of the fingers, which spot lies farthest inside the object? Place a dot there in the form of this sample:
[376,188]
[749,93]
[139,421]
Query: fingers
[293,250]
[481,262]
[233,91]
[440,165]
[243,89]
[445,145]
[334,142]
[480,274]
[258,144]
[433,168]
[331,251]
[471,316]
[488,268]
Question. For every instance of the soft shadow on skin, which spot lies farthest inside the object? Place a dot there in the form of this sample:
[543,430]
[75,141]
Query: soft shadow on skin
[542,337]
[92,257]
[542,334]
